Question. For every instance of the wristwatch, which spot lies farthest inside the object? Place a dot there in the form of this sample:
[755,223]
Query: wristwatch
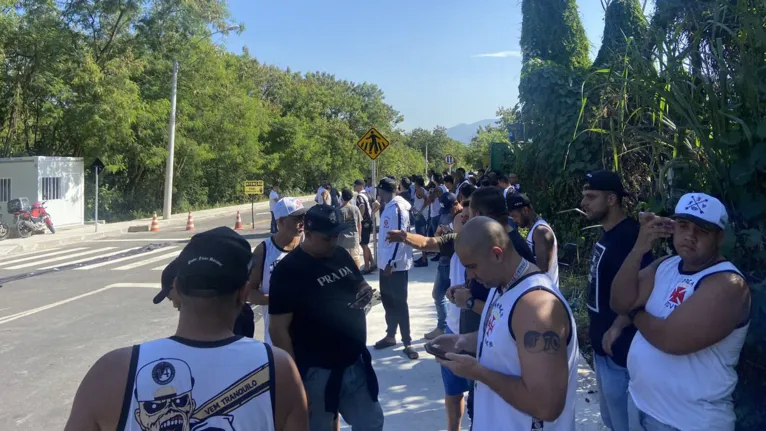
[634,312]
[469,303]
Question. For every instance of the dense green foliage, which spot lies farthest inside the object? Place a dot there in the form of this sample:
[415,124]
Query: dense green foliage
[551,31]
[91,78]
[675,105]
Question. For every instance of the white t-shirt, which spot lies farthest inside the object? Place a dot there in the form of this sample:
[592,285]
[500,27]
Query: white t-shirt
[273,198]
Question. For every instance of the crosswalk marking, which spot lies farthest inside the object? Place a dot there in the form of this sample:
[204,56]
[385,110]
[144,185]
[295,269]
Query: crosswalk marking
[86,259]
[160,268]
[122,259]
[38,256]
[147,261]
[60,258]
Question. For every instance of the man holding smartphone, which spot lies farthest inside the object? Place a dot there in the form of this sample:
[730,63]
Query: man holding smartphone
[317,309]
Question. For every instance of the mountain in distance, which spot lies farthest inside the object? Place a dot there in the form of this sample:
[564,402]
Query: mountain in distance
[465,132]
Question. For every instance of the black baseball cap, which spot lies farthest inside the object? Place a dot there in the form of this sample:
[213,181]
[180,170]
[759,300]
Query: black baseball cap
[168,276]
[359,182]
[517,201]
[326,220]
[447,200]
[214,263]
[605,181]
[387,185]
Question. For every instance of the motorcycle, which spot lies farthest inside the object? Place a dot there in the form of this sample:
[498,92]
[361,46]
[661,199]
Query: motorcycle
[30,220]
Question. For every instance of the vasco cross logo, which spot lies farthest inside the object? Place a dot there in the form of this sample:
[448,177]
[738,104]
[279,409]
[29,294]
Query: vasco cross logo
[696,203]
[163,373]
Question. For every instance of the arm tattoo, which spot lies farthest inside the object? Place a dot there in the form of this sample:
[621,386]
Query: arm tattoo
[548,342]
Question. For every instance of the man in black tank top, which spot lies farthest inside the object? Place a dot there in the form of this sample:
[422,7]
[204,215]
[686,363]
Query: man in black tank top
[211,286]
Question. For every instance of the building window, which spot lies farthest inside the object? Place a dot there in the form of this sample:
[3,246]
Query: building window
[5,189]
[51,188]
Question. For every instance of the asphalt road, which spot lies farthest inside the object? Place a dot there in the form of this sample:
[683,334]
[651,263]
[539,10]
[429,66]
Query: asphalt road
[62,308]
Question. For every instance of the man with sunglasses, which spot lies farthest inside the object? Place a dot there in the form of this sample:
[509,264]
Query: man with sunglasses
[317,309]
[289,214]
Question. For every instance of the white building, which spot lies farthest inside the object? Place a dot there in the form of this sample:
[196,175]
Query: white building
[58,180]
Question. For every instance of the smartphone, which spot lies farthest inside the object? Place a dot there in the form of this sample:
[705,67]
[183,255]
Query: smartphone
[439,353]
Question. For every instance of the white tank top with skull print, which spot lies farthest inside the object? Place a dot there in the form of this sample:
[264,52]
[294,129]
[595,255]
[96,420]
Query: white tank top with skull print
[186,385]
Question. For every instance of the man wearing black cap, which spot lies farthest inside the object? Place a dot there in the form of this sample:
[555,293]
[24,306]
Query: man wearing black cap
[203,377]
[610,334]
[395,261]
[541,239]
[245,323]
[317,314]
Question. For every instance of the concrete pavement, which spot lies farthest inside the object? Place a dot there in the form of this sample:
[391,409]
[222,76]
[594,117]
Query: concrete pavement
[54,325]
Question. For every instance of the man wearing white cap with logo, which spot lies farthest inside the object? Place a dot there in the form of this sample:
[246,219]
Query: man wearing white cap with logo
[692,313]
[289,215]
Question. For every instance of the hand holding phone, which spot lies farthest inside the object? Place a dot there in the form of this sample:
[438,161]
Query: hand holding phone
[433,350]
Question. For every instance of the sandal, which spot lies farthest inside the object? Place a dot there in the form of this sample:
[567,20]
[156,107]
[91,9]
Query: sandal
[410,352]
[384,344]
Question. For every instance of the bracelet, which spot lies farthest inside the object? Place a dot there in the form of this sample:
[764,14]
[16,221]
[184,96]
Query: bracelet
[634,312]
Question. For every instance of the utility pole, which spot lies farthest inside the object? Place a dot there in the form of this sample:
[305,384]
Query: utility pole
[426,159]
[167,205]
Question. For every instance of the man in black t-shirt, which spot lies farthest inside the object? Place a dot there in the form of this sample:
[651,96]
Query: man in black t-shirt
[610,334]
[317,315]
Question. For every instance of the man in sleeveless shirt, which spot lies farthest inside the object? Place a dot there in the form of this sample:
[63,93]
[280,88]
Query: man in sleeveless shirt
[611,334]
[541,239]
[289,213]
[318,315]
[204,377]
[525,364]
[692,313]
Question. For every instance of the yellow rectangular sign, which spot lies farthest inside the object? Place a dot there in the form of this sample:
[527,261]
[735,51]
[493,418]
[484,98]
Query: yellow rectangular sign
[373,143]
[254,187]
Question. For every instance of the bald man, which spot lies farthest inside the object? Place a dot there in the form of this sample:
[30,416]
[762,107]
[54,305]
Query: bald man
[526,386]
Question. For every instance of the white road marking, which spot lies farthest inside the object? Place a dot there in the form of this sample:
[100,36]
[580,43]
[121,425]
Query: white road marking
[13,317]
[37,256]
[147,261]
[144,240]
[122,259]
[92,258]
[160,268]
[60,258]
[31,253]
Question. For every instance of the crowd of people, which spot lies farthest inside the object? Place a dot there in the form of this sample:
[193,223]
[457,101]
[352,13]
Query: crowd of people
[666,332]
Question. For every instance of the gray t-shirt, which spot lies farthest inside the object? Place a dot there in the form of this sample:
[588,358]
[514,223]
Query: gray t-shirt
[352,217]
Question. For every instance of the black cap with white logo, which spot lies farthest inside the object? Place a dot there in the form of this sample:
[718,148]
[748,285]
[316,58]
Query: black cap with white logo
[214,263]
[326,220]
[605,181]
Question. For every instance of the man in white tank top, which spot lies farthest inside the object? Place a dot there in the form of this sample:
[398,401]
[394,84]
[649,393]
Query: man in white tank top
[541,239]
[289,213]
[525,369]
[692,313]
[204,377]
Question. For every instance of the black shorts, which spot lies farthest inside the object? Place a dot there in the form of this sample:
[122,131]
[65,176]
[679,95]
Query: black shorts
[365,238]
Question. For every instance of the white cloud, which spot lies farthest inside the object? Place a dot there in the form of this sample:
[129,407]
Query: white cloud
[500,54]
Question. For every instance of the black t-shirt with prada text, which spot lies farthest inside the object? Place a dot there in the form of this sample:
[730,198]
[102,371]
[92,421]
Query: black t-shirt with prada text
[325,331]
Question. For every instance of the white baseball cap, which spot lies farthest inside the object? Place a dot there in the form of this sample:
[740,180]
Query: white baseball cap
[702,210]
[286,207]
[163,378]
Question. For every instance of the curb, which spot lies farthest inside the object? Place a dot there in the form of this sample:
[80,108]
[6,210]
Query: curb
[118,229]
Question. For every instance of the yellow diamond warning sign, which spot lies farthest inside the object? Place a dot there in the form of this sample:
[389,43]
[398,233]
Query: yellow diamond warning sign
[373,143]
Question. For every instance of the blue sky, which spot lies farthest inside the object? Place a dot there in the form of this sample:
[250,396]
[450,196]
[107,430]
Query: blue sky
[426,55]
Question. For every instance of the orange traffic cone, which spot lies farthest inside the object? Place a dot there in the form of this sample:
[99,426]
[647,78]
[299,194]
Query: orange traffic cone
[238,225]
[155,227]
[190,223]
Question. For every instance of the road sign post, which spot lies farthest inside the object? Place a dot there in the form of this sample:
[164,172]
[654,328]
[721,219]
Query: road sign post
[97,166]
[373,144]
[252,189]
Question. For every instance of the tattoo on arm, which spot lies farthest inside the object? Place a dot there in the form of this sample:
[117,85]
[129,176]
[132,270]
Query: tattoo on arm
[547,342]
